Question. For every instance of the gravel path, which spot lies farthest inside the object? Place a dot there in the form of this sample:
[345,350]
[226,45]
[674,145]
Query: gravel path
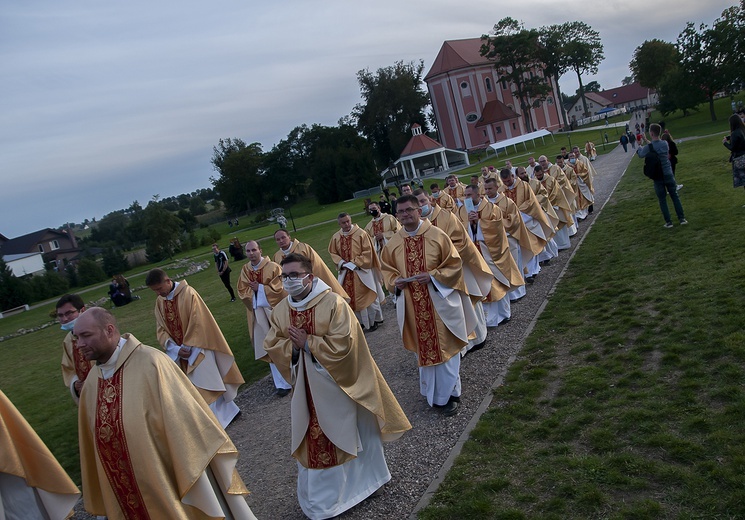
[423,455]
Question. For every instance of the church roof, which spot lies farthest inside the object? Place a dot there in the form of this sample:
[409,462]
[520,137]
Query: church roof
[420,143]
[495,111]
[626,93]
[457,54]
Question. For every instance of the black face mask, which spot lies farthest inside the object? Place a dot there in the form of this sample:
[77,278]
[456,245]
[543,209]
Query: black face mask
[374,212]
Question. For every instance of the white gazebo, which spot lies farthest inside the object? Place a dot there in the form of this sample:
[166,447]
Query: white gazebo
[424,156]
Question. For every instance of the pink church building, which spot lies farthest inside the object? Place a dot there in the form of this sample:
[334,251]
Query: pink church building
[473,108]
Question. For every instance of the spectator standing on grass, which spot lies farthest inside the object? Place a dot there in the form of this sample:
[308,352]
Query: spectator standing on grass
[666,184]
[223,269]
[735,143]
[75,367]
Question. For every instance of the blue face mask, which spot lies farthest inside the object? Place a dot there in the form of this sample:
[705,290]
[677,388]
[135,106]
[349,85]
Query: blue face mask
[436,195]
[68,326]
[425,209]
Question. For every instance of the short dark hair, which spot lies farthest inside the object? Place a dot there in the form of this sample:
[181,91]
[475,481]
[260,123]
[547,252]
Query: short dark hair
[417,192]
[434,185]
[655,129]
[155,276]
[559,157]
[505,173]
[342,215]
[301,259]
[537,168]
[74,299]
[281,231]
[490,180]
[409,198]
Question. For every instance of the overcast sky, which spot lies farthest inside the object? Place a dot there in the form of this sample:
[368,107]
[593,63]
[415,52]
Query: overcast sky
[104,103]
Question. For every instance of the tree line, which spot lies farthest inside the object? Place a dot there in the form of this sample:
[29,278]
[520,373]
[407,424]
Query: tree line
[704,61]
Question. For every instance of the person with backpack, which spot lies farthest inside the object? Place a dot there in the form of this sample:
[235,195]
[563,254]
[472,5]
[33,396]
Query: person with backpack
[658,168]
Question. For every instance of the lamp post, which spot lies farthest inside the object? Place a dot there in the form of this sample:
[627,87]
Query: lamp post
[290,212]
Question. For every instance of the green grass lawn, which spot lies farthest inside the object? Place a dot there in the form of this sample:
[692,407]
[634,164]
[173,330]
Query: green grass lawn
[628,398]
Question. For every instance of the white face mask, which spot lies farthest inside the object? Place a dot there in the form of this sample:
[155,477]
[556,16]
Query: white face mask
[425,209]
[68,326]
[295,287]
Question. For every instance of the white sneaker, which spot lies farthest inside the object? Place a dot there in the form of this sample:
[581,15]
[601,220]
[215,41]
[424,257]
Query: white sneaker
[668,225]
[683,222]
[679,187]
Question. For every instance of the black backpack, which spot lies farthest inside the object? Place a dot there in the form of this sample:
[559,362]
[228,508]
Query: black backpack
[652,164]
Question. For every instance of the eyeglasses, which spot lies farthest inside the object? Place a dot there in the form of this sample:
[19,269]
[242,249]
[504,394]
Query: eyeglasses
[68,314]
[407,210]
[293,276]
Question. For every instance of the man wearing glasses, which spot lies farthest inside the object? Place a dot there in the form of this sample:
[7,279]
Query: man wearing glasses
[342,408]
[75,367]
[424,270]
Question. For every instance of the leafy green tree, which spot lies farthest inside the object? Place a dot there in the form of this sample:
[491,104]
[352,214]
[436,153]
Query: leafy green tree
[628,80]
[188,221]
[163,230]
[394,98]
[89,272]
[286,166]
[48,285]
[515,53]
[340,162]
[679,91]
[13,291]
[552,40]
[583,53]
[592,86]
[652,61]
[239,167]
[702,55]
[197,206]
[114,262]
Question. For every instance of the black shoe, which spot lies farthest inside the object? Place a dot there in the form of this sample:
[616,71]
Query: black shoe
[530,279]
[479,346]
[589,210]
[232,299]
[450,409]
[504,321]
[281,392]
[371,328]
[379,322]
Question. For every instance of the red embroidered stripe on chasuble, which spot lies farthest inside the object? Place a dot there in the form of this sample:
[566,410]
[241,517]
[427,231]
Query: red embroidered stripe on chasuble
[426,329]
[377,226]
[321,451]
[348,284]
[82,365]
[175,327]
[256,276]
[512,194]
[111,444]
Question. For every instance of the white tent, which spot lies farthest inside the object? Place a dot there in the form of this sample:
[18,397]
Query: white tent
[514,141]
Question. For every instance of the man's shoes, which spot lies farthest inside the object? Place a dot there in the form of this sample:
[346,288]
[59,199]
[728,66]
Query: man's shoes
[683,222]
[451,408]
[504,321]
[281,392]
[371,328]
[679,187]
[232,299]
[530,279]
[479,346]
[379,322]
[668,225]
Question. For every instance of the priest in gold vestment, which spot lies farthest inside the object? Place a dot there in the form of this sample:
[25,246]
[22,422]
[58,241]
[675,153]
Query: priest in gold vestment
[33,485]
[382,227]
[342,408]
[585,189]
[149,445]
[441,198]
[260,290]
[484,223]
[559,203]
[75,367]
[287,245]
[190,336]
[352,251]
[424,270]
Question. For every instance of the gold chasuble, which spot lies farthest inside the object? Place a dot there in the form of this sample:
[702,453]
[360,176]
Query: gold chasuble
[337,347]
[73,361]
[557,198]
[187,321]
[267,274]
[445,201]
[385,224]
[148,441]
[42,488]
[584,189]
[356,247]
[320,270]
[470,254]
[431,251]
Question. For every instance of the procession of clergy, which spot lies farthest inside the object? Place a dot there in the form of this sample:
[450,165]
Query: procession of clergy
[152,422]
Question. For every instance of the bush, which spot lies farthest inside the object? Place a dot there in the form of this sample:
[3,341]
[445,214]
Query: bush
[48,285]
[114,262]
[214,234]
[89,272]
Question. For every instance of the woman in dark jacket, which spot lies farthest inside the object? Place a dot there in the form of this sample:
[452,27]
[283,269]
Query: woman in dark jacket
[735,143]
[673,153]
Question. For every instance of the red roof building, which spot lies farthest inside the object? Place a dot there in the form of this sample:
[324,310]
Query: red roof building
[473,108]
[423,156]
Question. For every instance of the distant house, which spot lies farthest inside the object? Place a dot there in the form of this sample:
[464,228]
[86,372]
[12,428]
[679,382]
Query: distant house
[627,96]
[56,247]
[424,156]
[595,102]
[473,106]
[24,263]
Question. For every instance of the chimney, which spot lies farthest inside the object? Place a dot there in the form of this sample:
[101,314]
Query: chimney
[72,237]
